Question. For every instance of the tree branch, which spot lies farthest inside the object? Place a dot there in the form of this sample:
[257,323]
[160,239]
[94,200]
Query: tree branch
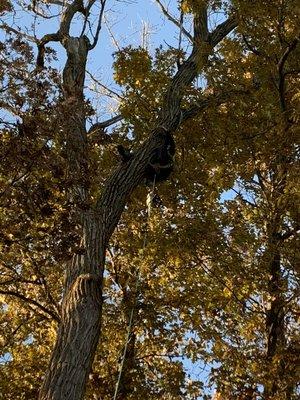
[222,30]
[71,10]
[280,67]
[32,302]
[9,29]
[105,124]
[174,20]
[93,45]
[87,12]
[187,72]
[51,37]
[250,47]
[205,102]
[201,26]
[110,91]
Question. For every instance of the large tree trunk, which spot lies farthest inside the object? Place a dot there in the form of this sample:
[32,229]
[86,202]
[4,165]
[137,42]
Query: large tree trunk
[79,329]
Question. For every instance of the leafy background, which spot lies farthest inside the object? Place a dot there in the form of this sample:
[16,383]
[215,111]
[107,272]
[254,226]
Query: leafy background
[215,315]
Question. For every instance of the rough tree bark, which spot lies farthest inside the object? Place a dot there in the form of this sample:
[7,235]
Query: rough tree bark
[79,329]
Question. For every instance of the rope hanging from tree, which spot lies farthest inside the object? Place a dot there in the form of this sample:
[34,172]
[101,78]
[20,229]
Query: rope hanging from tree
[149,202]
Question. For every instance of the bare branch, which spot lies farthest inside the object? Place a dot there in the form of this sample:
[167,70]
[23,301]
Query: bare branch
[174,20]
[93,45]
[106,124]
[9,29]
[111,34]
[32,302]
[55,2]
[87,12]
[41,12]
[112,92]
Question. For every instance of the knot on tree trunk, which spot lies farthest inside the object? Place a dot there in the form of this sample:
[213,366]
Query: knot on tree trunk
[85,291]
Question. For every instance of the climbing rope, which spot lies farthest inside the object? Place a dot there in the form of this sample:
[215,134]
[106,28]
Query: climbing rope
[150,197]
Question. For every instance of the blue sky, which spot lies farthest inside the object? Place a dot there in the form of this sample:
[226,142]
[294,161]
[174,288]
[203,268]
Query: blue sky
[125,23]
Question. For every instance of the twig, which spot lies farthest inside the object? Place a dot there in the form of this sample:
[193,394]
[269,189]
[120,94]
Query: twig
[93,45]
[175,21]
[105,87]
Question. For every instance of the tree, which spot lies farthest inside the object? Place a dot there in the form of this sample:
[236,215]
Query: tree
[72,212]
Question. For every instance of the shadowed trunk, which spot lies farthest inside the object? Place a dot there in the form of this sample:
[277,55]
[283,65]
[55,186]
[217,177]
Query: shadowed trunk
[275,324]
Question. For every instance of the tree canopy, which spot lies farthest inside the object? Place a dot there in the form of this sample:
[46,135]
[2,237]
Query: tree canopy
[181,289]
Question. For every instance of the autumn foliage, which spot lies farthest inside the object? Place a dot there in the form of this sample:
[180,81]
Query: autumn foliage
[208,282]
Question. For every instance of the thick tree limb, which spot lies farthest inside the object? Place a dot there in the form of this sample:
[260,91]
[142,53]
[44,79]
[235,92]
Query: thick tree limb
[63,32]
[71,10]
[97,131]
[188,71]
[52,37]
[201,26]
[223,30]
[105,124]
